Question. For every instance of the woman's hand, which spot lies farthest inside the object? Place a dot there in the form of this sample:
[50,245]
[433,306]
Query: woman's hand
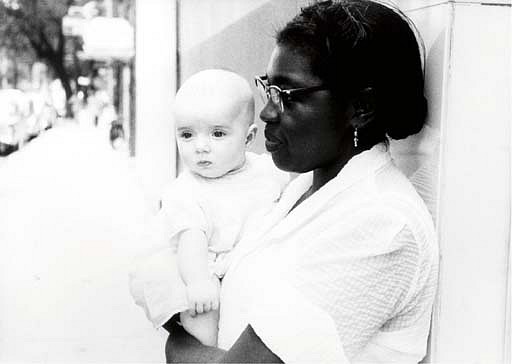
[182,347]
[203,295]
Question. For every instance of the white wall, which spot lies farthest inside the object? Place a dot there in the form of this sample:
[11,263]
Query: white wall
[418,155]
[473,59]
[155,74]
[234,35]
[475,188]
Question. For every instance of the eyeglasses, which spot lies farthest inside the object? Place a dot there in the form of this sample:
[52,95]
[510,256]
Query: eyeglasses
[279,96]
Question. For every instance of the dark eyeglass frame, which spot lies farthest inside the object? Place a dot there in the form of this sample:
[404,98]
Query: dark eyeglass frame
[279,96]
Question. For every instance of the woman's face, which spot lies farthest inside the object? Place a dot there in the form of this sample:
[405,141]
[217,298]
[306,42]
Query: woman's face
[312,132]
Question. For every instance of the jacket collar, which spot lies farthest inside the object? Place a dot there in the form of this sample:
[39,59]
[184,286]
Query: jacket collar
[359,167]
[281,221]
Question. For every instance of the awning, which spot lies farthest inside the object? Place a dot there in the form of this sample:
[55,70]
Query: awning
[108,38]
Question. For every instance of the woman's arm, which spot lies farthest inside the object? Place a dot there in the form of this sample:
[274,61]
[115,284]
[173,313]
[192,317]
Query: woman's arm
[182,347]
[250,349]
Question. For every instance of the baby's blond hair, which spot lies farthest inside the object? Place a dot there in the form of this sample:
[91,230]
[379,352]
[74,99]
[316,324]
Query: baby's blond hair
[216,88]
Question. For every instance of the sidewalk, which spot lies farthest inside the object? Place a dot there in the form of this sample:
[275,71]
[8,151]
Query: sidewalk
[71,220]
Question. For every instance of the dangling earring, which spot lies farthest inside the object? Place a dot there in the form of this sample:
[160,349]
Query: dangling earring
[356,139]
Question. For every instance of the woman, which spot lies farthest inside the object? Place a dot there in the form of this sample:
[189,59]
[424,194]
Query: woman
[345,267]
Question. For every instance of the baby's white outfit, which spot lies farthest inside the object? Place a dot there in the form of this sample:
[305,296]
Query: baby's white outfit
[220,208]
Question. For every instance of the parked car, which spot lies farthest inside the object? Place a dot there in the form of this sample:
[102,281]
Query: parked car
[23,116]
[14,108]
[42,116]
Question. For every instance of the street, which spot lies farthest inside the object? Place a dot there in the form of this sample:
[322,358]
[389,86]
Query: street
[72,219]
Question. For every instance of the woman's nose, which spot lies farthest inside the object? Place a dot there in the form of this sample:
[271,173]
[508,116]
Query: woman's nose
[270,113]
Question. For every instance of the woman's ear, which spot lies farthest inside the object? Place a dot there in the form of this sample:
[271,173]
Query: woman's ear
[364,108]
[251,135]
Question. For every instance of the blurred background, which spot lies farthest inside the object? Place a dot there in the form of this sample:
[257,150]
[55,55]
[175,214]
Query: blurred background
[87,147]
[64,60]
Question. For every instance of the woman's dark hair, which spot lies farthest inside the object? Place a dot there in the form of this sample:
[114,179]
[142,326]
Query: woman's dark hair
[356,44]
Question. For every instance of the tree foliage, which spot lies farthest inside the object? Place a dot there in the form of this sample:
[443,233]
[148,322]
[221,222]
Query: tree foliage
[33,28]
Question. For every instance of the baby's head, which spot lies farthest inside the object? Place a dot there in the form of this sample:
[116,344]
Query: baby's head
[214,114]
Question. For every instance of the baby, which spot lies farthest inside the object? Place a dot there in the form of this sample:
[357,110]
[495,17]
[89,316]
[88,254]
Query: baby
[204,210]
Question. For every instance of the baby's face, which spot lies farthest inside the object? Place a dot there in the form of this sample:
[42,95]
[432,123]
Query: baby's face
[211,142]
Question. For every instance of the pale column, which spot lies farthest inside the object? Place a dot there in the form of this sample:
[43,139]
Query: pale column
[475,188]
[472,63]
[155,73]
[125,99]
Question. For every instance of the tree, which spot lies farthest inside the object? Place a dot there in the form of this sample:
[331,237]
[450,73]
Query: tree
[34,27]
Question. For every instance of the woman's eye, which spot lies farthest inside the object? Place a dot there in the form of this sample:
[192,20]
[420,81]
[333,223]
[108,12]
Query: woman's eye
[218,134]
[287,98]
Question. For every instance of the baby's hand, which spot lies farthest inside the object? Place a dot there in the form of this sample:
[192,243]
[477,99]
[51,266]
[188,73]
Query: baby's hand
[203,296]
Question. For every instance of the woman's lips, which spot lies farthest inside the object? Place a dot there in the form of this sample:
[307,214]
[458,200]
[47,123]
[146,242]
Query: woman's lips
[271,143]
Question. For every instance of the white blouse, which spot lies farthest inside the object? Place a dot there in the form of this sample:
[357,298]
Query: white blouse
[349,275]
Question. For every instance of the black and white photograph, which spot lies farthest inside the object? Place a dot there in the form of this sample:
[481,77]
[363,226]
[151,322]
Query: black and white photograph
[255,181]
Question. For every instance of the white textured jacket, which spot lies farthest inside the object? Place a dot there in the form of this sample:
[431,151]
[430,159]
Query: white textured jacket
[349,275]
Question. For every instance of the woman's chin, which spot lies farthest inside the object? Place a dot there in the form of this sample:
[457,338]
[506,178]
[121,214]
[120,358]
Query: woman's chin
[282,163]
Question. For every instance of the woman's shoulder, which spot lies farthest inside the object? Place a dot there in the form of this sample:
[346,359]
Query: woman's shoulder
[386,197]
[397,196]
[391,186]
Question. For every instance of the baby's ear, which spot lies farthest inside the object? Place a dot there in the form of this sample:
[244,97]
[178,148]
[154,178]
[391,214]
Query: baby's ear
[251,135]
